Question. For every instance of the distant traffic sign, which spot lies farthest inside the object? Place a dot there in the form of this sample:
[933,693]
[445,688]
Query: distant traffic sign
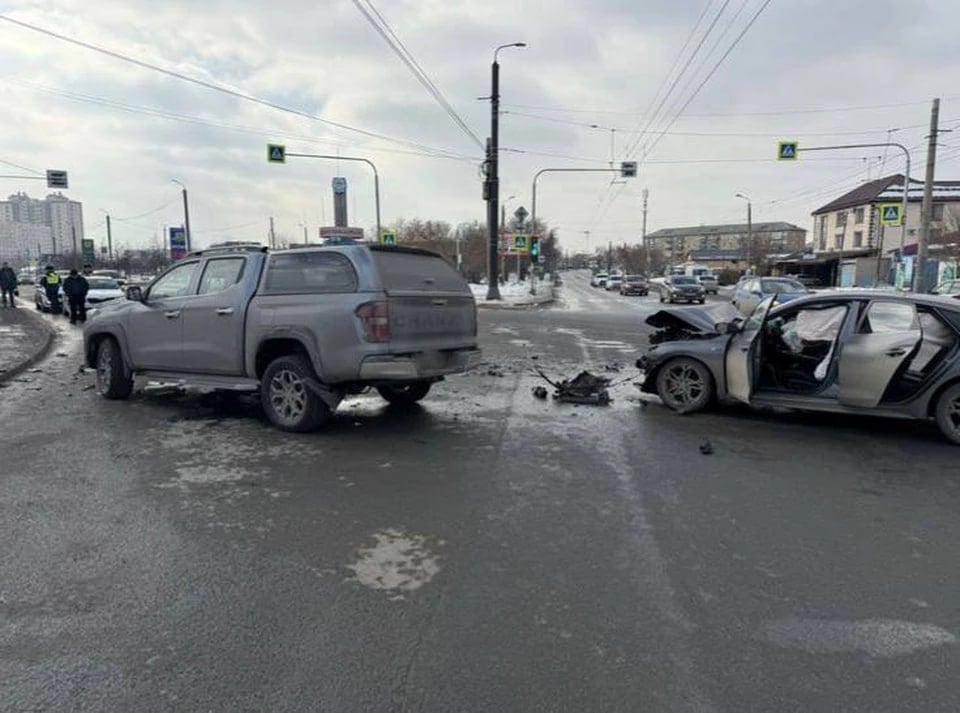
[56,179]
[890,214]
[520,243]
[787,151]
[88,249]
[628,169]
[520,214]
[388,237]
[276,153]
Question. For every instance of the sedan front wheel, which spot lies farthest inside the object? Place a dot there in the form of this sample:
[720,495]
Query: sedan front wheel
[685,385]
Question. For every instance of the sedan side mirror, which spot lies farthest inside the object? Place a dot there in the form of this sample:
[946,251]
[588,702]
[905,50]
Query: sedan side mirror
[134,293]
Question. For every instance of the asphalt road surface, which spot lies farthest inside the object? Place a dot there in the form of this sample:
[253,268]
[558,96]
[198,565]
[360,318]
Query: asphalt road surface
[487,551]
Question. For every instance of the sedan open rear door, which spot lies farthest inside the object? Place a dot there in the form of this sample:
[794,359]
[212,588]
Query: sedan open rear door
[888,335]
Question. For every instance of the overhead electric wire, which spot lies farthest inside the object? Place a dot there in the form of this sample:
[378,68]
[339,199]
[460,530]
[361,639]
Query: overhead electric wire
[210,85]
[22,168]
[149,212]
[653,117]
[389,36]
[188,119]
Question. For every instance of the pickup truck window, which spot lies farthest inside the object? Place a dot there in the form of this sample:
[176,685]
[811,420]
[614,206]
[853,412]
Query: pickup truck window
[175,283]
[221,273]
[418,273]
[309,272]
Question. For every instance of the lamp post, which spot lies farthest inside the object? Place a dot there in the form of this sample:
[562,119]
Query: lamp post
[749,227]
[493,180]
[109,237]
[186,215]
[306,240]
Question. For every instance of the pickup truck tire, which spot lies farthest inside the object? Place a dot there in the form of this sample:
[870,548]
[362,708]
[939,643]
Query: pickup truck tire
[113,381]
[287,398]
[405,394]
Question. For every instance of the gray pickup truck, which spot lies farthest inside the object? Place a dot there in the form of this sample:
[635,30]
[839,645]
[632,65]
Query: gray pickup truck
[302,327]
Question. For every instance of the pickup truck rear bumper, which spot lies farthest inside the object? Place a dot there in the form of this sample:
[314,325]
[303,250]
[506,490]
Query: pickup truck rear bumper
[425,365]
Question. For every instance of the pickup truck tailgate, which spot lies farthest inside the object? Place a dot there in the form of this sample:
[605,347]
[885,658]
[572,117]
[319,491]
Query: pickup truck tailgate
[430,304]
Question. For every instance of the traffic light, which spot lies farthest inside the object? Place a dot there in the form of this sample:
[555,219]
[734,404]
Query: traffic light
[534,248]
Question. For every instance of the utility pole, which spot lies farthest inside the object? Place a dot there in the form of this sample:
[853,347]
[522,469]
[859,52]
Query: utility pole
[186,216]
[609,256]
[273,236]
[109,241]
[643,232]
[492,192]
[919,270]
[73,230]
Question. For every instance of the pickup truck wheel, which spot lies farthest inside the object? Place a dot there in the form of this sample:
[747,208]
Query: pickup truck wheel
[286,397]
[405,393]
[685,385]
[113,382]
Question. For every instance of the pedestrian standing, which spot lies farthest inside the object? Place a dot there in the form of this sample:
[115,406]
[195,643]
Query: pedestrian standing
[75,287]
[8,284]
[51,285]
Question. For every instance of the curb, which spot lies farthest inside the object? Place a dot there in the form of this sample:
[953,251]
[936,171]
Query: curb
[38,355]
[538,302]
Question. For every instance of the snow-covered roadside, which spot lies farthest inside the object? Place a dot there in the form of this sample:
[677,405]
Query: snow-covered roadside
[514,294]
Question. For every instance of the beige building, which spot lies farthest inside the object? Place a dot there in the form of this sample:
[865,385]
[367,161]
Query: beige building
[760,238]
[19,242]
[62,217]
[851,223]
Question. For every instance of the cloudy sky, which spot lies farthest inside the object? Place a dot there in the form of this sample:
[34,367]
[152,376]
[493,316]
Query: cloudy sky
[592,78]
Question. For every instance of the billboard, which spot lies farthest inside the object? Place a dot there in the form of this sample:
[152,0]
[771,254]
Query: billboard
[178,243]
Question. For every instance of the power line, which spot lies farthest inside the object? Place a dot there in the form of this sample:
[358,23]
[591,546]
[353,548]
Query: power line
[209,85]
[782,132]
[149,212]
[779,112]
[389,36]
[188,119]
[22,168]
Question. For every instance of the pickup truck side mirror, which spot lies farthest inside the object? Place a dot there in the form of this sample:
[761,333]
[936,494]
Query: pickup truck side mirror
[134,293]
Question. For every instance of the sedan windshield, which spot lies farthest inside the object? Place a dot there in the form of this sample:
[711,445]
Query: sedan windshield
[683,280]
[635,278]
[774,286]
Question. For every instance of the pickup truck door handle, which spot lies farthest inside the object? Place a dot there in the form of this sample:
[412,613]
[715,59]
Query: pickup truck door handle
[439,303]
[175,314]
[225,310]
[896,352]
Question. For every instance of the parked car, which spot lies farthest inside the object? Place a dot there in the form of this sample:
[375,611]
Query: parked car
[948,287]
[682,288]
[599,280]
[102,289]
[851,351]
[635,285]
[807,280]
[40,300]
[749,293]
[302,327]
[613,283]
[711,285]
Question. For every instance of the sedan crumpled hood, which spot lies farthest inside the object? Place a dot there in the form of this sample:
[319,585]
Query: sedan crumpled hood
[698,319]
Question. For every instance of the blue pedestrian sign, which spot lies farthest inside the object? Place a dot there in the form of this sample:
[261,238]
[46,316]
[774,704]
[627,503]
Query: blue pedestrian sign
[276,153]
[787,151]
[890,214]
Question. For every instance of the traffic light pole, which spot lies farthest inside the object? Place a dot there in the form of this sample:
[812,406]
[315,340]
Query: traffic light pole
[533,202]
[906,187]
[376,176]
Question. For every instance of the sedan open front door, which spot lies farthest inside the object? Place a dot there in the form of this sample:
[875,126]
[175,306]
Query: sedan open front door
[888,335]
[742,355]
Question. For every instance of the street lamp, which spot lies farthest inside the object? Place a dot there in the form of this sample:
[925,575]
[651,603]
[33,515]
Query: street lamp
[109,237]
[493,180]
[749,227]
[306,240]
[186,215]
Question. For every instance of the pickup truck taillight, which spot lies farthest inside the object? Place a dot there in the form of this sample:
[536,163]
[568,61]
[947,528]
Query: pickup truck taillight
[375,318]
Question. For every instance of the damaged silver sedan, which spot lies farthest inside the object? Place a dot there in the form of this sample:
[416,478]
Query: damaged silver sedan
[855,352]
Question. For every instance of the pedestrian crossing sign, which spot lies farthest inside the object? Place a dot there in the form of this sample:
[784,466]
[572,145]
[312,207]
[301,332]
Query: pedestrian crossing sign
[890,214]
[388,237]
[520,243]
[276,153]
[787,151]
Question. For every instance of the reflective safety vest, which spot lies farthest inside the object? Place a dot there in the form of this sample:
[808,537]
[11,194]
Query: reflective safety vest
[52,279]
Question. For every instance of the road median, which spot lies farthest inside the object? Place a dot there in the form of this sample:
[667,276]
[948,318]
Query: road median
[515,299]
[25,339]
